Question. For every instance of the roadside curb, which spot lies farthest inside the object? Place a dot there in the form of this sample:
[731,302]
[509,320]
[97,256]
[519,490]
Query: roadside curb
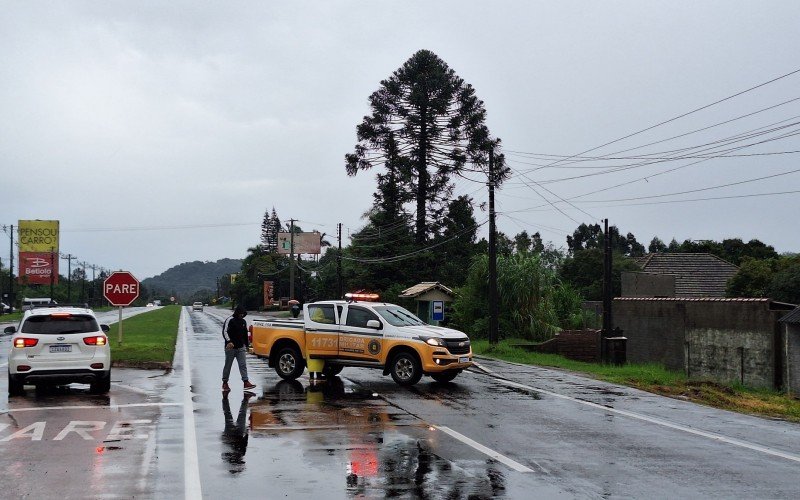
[143,365]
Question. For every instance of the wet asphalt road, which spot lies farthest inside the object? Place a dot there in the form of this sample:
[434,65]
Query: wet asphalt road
[505,432]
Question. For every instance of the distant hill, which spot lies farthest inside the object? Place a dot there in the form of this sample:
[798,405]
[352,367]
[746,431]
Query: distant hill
[190,277]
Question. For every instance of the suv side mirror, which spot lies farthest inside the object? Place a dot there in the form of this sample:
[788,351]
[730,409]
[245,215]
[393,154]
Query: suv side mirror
[105,328]
[374,323]
[10,329]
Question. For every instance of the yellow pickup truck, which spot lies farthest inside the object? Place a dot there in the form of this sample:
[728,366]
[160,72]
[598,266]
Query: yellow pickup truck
[364,334]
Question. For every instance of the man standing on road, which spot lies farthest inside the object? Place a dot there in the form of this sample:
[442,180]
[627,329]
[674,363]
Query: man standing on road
[234,331]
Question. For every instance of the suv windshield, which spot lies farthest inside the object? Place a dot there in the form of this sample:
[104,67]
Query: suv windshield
[398,316]
[59,325]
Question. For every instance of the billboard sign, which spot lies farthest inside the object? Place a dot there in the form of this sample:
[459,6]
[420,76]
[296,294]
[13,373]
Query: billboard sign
[38,236]
[269,286]
[38,252]
[308,243]
[37,268]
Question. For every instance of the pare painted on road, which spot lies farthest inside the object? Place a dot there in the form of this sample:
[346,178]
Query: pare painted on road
[88,430]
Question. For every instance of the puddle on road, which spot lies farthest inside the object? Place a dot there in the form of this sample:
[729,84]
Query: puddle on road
[337,437]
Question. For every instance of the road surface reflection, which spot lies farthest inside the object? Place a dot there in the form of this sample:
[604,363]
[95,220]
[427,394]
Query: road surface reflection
[379,449]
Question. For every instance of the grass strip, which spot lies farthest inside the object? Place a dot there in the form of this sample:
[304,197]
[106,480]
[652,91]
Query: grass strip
[658,380]
[148,339]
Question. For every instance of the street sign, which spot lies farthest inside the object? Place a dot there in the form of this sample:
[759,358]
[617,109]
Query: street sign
[438,310]
[121,288]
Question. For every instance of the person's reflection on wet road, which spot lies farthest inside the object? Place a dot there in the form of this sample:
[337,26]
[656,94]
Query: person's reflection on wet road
[235,435]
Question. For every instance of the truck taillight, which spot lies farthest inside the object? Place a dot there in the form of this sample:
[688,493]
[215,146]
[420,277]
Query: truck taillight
[21,342]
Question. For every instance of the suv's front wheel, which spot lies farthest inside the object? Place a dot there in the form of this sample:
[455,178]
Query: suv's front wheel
[406,368]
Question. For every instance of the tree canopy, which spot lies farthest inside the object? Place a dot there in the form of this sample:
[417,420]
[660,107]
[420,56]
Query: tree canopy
[426,125]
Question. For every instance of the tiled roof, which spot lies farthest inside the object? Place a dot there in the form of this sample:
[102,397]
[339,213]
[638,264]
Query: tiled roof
[792,317]
[420,288]
[696,274]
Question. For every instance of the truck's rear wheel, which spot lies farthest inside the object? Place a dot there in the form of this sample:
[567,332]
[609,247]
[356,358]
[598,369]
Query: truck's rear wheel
[445,376]
[406,369]
[289,364]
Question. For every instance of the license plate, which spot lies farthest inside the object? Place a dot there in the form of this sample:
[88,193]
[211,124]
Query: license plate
[463,359]
[60,348]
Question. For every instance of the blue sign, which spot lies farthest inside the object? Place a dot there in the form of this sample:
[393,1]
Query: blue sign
[437,312]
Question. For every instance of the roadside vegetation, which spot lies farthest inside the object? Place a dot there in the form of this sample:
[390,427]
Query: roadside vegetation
[148,339]
[658,380]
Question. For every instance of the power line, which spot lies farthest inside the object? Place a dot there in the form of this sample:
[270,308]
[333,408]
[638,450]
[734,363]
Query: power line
[682,115]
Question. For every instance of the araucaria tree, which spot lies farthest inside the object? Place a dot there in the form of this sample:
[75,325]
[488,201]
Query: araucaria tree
[428,123]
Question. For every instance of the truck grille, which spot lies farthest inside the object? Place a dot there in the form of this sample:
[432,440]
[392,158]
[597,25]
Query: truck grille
[460,346]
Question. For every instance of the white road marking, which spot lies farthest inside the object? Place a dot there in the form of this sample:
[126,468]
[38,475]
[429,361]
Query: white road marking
[191,462]
[664,423]
[86,407]
[131,388]
[80,427]
[3,364]
[483,449]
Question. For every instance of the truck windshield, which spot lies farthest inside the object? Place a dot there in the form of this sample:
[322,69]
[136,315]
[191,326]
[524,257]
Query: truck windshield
[397,316]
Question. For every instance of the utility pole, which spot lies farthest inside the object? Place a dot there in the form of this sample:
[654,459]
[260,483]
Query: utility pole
[11,269]
[608,293]
[83,281]
[339,265]
[69,258]
[493,309]
[52,271]
[91,298]
[291,259]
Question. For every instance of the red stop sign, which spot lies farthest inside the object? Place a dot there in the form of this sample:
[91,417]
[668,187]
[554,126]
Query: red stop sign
[121,288]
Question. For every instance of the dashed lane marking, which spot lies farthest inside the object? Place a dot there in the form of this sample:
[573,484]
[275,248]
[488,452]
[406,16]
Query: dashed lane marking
[483,449]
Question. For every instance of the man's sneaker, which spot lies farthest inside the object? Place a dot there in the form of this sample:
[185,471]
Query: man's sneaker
[225,387]
[249,385]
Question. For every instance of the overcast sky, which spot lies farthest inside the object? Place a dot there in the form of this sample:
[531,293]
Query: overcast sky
[160,132]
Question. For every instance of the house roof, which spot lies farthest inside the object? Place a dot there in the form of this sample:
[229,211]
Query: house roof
[696,274]
[793,317]
[425,286]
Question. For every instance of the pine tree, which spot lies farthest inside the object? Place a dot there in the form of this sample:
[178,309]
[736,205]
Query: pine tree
[439,126]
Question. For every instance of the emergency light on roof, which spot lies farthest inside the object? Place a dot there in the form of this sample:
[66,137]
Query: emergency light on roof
[366,297]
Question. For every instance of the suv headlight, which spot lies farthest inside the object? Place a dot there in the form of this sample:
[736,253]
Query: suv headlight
[434,341]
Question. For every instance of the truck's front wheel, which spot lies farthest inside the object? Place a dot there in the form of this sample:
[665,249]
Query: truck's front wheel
[290,364]
[406,368]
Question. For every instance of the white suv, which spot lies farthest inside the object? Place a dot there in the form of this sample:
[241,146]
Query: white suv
[59,345]
[197,306]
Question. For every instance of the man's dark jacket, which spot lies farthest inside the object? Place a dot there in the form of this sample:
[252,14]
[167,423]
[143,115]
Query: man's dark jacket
[235,330]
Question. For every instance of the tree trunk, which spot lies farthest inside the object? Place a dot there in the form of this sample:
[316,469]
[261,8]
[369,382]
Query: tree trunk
[422,177]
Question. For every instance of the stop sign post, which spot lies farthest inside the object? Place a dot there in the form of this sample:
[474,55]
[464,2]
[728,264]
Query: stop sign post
[120,289]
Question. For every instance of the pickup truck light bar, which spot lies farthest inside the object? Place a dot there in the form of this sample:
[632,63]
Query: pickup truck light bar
[366,297]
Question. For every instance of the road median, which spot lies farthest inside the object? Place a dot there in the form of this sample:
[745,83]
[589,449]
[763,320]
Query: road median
[148,339]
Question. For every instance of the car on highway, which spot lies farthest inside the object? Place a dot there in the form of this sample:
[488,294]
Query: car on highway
[59,345]
[197,306]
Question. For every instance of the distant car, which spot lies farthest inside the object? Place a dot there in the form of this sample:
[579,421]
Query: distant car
[197,306]
[7,309]
[149,304]
[59,345]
